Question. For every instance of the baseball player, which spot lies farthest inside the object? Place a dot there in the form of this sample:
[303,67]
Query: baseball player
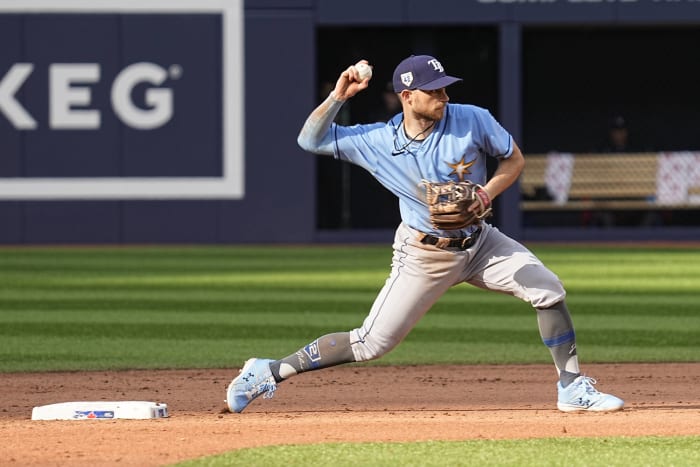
[432,156]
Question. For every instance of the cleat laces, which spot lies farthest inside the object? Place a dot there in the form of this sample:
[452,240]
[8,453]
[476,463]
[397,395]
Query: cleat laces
[586,385]
[267,387]
[269,390]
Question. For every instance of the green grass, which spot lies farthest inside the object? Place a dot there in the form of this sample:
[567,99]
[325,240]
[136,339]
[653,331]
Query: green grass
[168,307]
[156,307]
[565,452]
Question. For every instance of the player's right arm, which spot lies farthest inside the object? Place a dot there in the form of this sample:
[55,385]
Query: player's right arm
[315,135]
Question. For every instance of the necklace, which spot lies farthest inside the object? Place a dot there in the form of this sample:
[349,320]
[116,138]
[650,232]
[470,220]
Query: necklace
[401,149]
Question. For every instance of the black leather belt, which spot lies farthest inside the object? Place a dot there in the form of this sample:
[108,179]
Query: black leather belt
[462,243]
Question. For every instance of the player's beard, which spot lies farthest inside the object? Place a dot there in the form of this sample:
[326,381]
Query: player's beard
[433,115]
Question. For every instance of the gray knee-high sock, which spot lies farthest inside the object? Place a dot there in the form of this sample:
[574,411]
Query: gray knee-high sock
[329,350]
[557,331]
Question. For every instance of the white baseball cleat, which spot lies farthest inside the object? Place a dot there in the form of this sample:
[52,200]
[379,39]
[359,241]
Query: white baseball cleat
[581,396]
[254,380]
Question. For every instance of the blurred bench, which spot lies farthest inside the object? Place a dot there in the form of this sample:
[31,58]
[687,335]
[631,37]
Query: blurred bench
[598,181]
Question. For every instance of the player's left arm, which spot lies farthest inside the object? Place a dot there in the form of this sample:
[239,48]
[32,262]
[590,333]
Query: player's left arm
[506,174]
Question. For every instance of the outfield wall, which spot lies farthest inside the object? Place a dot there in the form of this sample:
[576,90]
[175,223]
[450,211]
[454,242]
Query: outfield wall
[155,122]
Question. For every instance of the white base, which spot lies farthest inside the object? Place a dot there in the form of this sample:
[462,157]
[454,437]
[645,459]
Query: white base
[101,410]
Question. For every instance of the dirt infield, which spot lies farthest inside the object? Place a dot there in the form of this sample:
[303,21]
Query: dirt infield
[352,403]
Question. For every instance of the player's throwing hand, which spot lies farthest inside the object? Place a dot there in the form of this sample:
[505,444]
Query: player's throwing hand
[353,80]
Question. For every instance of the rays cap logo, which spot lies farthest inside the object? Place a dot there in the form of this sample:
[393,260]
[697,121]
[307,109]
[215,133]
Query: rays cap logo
[407,79]
[421,72]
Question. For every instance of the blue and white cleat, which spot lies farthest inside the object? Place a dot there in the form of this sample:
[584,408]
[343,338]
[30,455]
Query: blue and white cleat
[254,380]
[581,396]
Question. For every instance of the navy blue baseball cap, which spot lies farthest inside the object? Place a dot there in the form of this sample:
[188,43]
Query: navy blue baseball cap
[421,72]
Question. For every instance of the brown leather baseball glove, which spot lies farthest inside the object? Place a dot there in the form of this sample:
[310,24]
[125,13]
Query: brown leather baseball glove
[456,205]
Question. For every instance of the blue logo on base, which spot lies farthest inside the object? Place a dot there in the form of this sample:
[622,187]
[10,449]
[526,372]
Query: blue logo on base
[90,414]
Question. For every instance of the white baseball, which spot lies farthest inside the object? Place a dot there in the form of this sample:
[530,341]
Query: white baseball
[364,70]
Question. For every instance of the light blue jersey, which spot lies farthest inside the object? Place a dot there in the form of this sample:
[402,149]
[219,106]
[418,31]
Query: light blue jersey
[455,150]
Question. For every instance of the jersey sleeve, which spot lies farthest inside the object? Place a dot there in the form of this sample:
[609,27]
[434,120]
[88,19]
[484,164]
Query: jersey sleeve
[358,144]
[495,140]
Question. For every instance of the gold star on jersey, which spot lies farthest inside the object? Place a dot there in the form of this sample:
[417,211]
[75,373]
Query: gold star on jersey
[461,168]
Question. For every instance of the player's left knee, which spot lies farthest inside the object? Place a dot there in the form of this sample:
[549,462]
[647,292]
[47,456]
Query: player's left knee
[545,298]
[540,286]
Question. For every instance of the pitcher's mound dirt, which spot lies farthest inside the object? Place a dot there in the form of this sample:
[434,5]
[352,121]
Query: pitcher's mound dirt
[351,403]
